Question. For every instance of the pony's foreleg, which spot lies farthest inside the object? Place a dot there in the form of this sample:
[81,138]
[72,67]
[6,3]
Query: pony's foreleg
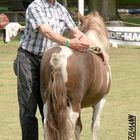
[97,109]
[45,121]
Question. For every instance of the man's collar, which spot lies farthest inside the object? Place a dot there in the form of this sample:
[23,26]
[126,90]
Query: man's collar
[48,5]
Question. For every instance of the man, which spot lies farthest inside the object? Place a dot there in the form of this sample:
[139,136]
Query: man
[46,21]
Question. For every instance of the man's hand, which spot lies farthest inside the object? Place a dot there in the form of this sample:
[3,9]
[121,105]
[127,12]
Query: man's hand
[76,33]
[78,44]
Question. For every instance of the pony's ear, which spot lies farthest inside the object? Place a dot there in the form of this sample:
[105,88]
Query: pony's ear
[95,13]
[80,17]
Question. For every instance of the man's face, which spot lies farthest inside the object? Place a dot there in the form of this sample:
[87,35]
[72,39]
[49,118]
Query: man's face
[51,1]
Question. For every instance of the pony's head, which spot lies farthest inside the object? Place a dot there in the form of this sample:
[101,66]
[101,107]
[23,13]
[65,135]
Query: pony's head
[93,26]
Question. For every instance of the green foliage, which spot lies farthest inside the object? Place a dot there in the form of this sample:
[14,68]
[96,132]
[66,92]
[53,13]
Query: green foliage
[128,1]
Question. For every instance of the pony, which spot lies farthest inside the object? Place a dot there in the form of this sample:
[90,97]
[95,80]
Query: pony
[71,80]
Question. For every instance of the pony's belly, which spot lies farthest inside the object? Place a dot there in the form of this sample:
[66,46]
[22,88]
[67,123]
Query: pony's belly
[92,99]
[96,92]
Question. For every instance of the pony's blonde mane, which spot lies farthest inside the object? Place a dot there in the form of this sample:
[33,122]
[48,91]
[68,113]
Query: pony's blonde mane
[94,22]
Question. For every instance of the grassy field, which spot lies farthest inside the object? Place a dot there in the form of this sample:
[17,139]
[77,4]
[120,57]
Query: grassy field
[123,99]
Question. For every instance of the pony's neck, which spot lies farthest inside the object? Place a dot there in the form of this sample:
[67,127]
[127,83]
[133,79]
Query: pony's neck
[94,37]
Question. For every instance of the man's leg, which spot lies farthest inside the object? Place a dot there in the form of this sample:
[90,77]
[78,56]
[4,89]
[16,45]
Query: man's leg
[28,90]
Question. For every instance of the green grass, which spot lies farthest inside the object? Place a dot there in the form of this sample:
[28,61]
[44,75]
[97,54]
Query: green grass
[131,19]
[124,97]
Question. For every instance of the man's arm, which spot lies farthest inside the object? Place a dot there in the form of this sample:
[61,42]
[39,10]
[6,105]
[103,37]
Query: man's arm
[74,43]
[77,33]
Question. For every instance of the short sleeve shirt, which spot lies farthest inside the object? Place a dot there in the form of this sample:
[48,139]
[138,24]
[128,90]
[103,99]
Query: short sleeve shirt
[40,12]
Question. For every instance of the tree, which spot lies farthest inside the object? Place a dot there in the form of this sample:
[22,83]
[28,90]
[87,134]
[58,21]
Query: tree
[65,3]
[26,3]
[107,8]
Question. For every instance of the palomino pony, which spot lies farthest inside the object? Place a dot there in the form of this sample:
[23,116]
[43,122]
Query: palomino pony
[72,80]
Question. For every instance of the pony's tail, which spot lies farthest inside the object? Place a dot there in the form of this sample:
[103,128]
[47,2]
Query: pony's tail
[56,102]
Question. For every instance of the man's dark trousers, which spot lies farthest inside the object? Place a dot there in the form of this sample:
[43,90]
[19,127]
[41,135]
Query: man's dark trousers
[27,69]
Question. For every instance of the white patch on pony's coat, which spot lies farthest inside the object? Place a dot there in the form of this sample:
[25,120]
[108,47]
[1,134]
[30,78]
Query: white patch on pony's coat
[45,119]
[72,115]
[45,110]
[66,52]
[96,117]
[93,36]
[108,74]
[60,60]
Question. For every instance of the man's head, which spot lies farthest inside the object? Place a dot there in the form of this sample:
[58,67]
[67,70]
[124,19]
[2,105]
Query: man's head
[51,1]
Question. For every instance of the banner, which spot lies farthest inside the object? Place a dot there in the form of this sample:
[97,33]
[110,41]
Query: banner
[129,11]
[124,35]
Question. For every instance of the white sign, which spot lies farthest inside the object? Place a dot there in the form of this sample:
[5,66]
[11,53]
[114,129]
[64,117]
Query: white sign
[81,6]
[124,35]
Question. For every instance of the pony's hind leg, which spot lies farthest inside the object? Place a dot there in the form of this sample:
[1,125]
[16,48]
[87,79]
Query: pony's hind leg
[78,128]
[45,119]
[72,121]
[97,109]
